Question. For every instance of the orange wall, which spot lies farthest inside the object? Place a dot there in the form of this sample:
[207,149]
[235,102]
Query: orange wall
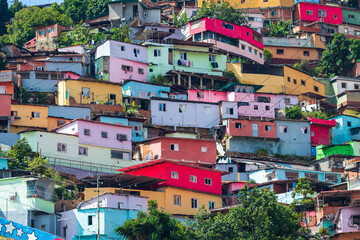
[293,53]
[246,129]
[9,88]
[53,122]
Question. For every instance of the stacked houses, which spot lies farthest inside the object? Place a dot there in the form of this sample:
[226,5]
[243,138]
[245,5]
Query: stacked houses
[183,115]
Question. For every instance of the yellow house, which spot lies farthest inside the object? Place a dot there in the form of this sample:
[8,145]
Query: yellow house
[277,79]
[28,116]
[86,91]
[244,4]
[165,198]
[55,122]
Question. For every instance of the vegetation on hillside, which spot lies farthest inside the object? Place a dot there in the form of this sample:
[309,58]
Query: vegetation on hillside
[279,29]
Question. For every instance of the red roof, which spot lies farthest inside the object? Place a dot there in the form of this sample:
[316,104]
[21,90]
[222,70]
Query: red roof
[160,161]
[330,123]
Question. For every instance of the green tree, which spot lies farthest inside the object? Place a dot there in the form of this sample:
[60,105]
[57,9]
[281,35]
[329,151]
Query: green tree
[339,57]
[75,9]
[79,34]
[97,8]
[130,110]
[22,27]
[279,28]
[21,153]
[303,188]
[153,226]
[15,7]
[293,112]
[121,34]
[259,216]
[268,56]
[4,16]
[39,166]
[304,65]
[222,11]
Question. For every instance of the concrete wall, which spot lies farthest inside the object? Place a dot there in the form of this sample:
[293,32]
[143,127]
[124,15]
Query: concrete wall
[68,112]
[76,67]
[252,145]
[42,85]
[345,221]
[204,115]
[232,176]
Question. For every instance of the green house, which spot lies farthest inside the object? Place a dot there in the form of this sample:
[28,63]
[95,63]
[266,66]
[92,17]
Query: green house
[351,148]
[351,16]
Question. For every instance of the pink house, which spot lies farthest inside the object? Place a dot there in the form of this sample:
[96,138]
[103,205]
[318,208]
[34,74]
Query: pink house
[5,103]
[235,39]
[195,151]
[206,95]
[306,13]
[123,69]
[185,173]
[99,133]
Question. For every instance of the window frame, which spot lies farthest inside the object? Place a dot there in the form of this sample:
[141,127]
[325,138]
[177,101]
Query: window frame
[174,147]
[208,181]
[193,178]
[174,175]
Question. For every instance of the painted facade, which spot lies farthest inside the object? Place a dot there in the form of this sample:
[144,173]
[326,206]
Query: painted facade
[10,84]
[351,148]
[28,116]
[202,151]
[236,40]
[306,13]
[88,91]
[46,36]
[346,129]
[259,3]
[266,175]
[184,56]
[180,175]
[170,112]
[144,90]
[346,219]
[247,128]
[40,81]
[320,131]
[115,61]
[351,16]
[24,197]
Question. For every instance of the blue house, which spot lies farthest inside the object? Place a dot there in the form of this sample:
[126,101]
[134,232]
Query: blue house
[267,175]
[347,128]
[137,89]
[139,132]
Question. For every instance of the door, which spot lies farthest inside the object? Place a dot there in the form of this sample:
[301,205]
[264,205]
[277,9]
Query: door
[170,57]
[255,130]
[135,11]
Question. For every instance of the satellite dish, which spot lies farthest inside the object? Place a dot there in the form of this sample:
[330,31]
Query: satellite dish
[156,157]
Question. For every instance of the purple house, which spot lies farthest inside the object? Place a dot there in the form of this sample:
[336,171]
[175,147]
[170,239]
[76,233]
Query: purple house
[99,133]
[118,61]
[347,220]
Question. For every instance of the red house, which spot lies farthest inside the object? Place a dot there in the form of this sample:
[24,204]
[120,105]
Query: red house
[306,13]
[10,84]
[194,151]
[320,131]
[181,175]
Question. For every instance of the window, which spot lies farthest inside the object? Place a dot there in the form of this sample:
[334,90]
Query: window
[35,114]
[174,147]
[83,151]
[157,52]
[351,16]
[51,30]
[177,200]
[207,110]
[120,155]
[183,56]
[104,134]
[255,51]
[61,147]
[136,52]
[303,82]
[85,92]
[182,108]
[174,175]
[193,178]
[162,107]
[306,53]
[295,81]
[243,104]
[267,108]
[287,101]
[264,99]
[238,125]
[335,16]
[137,128]
[303,130]
[231,169]
[242,46]
[343,85]
[267,127]
[256,107]
[247,34]
[140,70]
[321,13]
[312,133]
[309,12]
[45,76]
[14,113]
[260,55]
[316,89]
[243,1]
[356,86]
[121,137]
[228,26]
[90,220]
[122,48]
[355,220]
[230,111]
[120,205]
[283,129]
[348,124]
[212,58]
[289,79]
[211,203]
[273,13]
[346,31]
[250,49]
[194,203]
[126,68]
[356,33]
[139,207]
[87,132]
[208,181]
[42,32]
[112,96]
[203,149]
[280,51]
[2,90]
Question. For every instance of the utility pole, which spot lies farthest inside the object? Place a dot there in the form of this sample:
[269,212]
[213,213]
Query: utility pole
[98,206]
